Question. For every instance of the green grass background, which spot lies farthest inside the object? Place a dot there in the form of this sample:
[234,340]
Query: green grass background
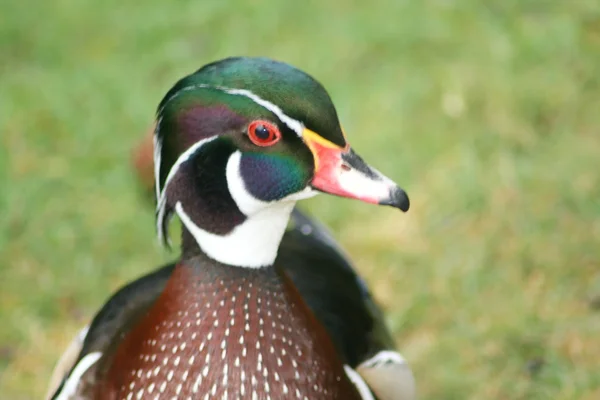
[488,115]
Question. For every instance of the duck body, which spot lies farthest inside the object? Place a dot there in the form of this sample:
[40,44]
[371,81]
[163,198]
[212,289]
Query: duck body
[324,278]
[235,148]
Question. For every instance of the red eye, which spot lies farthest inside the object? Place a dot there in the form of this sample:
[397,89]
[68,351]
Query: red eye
[263,133]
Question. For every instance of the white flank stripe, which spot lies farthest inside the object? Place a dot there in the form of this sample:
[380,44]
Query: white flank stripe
[72,382]
[384,357]
[361,386]
[83,333]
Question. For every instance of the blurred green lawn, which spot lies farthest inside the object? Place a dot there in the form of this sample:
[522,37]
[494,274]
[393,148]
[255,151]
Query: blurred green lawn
[488,115]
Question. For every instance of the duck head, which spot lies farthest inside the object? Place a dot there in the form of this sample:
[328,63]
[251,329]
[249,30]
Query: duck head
[237,143]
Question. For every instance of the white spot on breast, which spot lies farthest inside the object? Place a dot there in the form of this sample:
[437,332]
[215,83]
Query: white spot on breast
[225,368]
[197,384]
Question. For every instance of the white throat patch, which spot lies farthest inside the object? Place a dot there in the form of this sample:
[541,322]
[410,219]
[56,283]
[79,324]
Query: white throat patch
[253,243]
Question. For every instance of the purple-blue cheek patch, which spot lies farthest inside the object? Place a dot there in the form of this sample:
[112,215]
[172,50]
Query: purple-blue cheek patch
[271,177]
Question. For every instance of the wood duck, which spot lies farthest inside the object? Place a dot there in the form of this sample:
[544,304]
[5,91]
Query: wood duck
[250,310]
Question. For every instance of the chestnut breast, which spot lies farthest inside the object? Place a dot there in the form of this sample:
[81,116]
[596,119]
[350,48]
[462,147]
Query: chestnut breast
[226,332]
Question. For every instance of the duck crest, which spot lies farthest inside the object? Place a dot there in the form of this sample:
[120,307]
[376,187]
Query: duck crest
[226,332]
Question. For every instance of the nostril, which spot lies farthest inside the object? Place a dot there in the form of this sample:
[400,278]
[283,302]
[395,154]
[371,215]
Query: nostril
[346,167]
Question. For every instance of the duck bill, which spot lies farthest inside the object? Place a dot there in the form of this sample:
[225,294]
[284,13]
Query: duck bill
[341,172]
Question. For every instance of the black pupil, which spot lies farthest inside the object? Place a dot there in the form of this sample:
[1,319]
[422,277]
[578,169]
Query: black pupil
[262,132]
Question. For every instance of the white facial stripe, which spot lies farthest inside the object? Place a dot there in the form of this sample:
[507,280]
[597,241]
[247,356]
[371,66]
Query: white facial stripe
[358,381]
[162,198]
[247,203]
[183,158]
[292,123]
[157,152]
[70,386]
